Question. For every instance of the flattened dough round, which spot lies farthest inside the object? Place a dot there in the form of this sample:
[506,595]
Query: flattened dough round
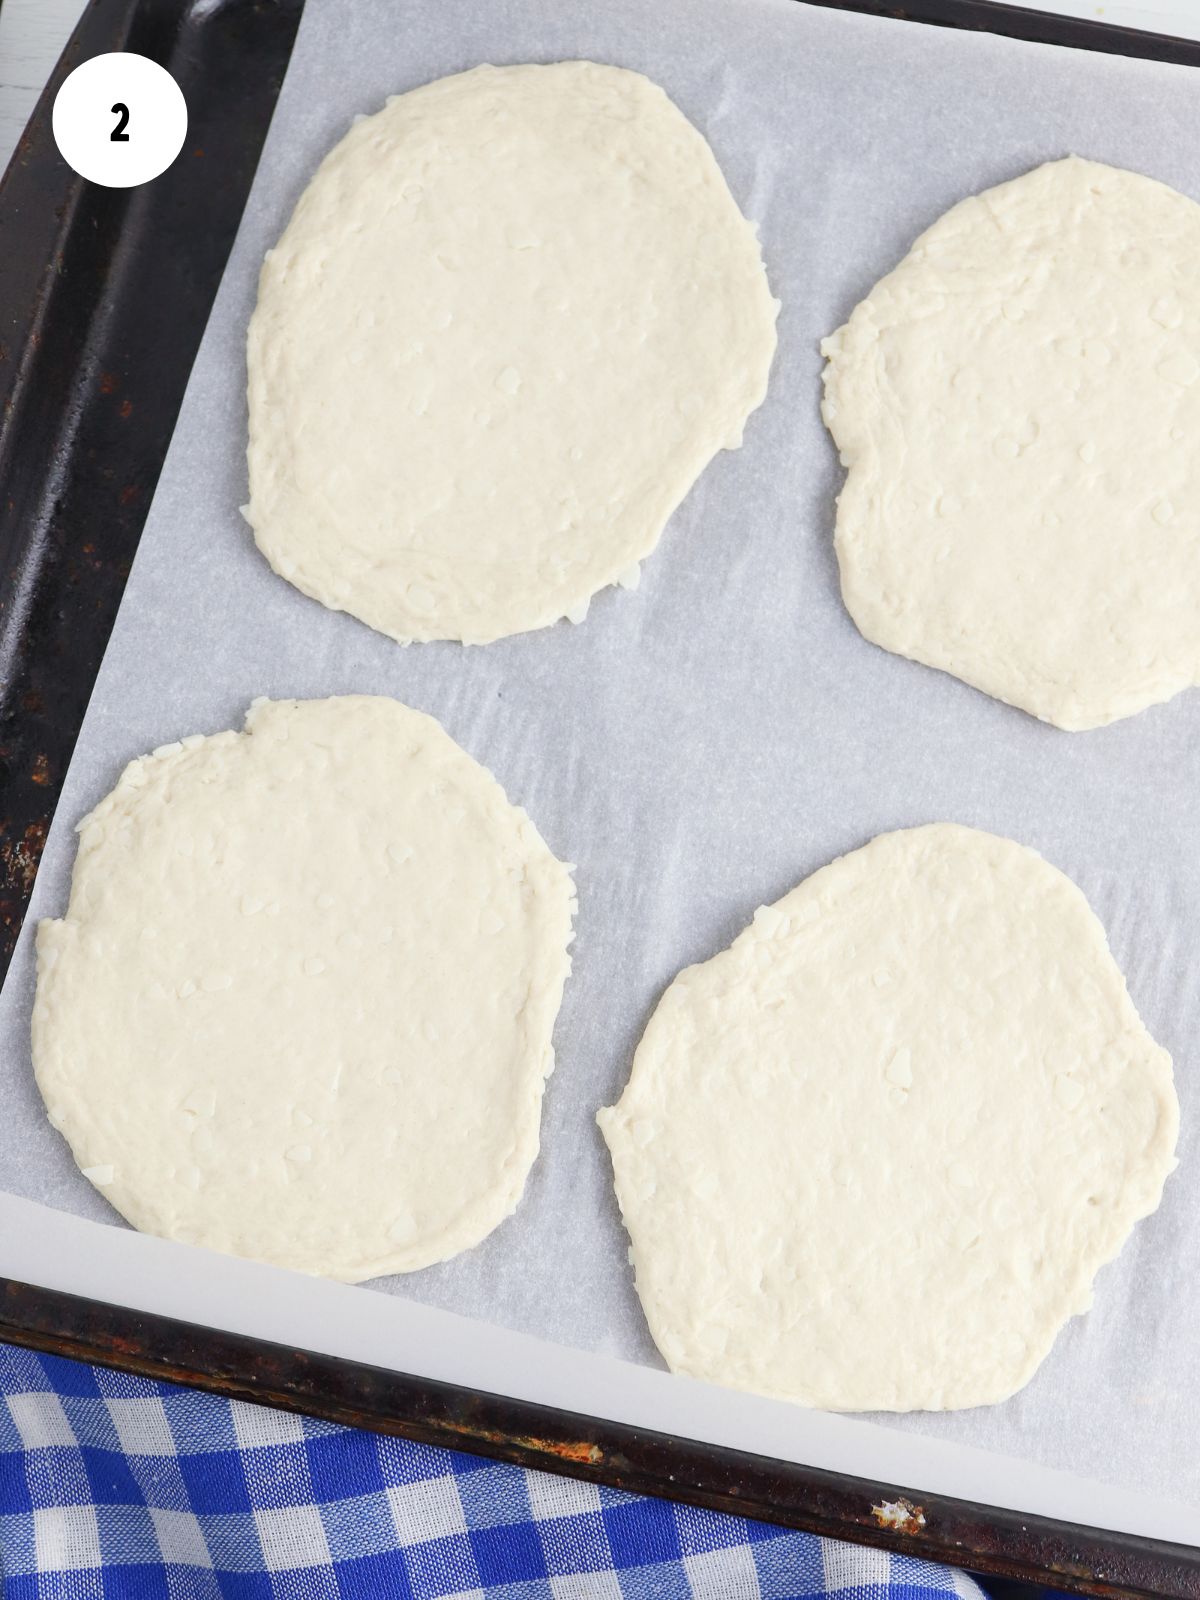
[513,317]
[301,1002]
[872,1155]
[1018,405]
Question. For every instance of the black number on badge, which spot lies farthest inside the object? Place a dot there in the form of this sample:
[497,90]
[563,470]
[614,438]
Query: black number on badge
[118,135]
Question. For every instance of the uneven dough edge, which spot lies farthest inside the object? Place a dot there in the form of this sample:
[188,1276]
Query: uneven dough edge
[855,387]
[615,1121]
[316,577]
[475,1221]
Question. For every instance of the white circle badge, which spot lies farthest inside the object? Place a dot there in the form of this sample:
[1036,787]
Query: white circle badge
[119,119]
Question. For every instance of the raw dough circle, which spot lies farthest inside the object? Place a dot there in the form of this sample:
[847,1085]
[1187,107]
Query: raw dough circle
[300,1005]
[1019,407]
[872,1155]
[511,320]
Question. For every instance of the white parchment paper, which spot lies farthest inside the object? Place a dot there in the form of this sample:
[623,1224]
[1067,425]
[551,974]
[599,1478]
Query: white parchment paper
[700,745]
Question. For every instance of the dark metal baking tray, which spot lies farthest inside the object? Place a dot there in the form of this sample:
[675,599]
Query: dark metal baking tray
[103,299]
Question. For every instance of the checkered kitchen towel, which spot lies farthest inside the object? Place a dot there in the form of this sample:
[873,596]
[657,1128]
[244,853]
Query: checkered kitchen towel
[114,1488]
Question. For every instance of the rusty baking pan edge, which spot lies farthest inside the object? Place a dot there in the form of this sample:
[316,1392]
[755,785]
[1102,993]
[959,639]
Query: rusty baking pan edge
[1004,1543]
[104,294]
[97,337]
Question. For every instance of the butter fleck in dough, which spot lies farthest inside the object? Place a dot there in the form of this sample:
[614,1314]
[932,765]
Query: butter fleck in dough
[1018,405]
[872,1156]
[513,317]
[300,1005]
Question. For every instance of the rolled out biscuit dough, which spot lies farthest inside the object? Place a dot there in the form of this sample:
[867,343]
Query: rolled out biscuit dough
[872,1155]
[1018,405]
[300,1005]
[513,317]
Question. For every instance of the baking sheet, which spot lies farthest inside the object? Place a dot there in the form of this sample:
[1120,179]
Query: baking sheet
[701,744]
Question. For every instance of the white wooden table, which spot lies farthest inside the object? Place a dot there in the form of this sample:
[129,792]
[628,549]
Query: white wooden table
[33,32]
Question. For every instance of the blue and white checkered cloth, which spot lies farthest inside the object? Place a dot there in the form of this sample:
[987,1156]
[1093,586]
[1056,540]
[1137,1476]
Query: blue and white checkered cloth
[114,1488]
